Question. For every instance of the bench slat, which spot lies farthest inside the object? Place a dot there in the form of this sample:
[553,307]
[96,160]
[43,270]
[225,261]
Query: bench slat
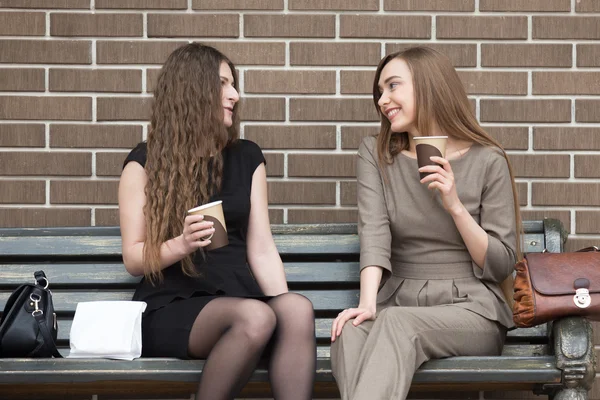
[322,331]
[110,246]
[66,302]
[453,369]
[97,274]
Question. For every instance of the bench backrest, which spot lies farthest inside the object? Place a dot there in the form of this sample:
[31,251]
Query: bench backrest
[321,262]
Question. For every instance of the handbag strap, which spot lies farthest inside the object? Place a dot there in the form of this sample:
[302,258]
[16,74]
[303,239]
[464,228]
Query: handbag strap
[48,341]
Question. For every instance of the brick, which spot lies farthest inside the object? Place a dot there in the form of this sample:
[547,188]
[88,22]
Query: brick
[353,135]
[579,83]
[588,55]
[95,136]
[152,79]
[574,244]
[46,51]
[44,217]
[292,136]
[357,82]
[522,193]
[275,162]
[342,5]
[45,163]
[540,165]
[95,80]
[186,25]
[57,108]
[275,215]
[429,5]
[109,163]
[22,135]
[525,110]
[525,5]
[460,54]
[351,54]
[141,4]
[22,192]
[526,55]
[385,26]
[289,25]
[587,6]
[22,23]
[332,110]
[80,24]
[486,82]
[252,53]
[348,193]
[124,108]
[22,79]
[565,194]
[566,27]
[562,215]
[510,137]
[322,165]
[237,4]
[322,216]
[566,138]
[301,192]
[587,221]
[146,52]
[262,109]
[106,217]
[84,192]
[586,166]
[301,82]
[587,110]
[478,27]
[82,4]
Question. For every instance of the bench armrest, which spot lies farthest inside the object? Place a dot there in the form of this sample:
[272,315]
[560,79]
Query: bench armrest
[574,354]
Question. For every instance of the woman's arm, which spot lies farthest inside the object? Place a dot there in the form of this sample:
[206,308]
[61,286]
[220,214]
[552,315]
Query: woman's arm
[133,225]
[492,242]
[262,253]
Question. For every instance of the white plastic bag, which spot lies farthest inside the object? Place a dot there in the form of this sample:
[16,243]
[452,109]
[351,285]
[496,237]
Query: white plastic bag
[107,329]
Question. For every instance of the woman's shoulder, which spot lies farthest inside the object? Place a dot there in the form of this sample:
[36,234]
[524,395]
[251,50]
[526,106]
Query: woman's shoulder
[368,145]
[138,154]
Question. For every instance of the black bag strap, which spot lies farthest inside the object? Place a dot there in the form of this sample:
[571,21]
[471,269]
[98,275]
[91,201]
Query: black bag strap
[48,341]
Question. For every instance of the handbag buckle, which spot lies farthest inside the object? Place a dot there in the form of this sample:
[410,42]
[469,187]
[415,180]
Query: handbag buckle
[36,299]
[582,298]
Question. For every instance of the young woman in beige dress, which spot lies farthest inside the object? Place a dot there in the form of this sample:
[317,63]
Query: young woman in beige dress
[434,251]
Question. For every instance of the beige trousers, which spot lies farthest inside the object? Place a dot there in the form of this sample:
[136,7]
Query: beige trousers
[377,359]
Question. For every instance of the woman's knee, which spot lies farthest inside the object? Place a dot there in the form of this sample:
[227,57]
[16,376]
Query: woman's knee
[294,311]
[256,321]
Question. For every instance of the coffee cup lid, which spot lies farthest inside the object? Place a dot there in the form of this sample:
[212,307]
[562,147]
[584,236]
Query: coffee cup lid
[205,206]
[430,137]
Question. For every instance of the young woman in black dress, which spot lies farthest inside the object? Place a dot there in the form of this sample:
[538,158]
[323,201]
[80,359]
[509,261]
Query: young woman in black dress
[225,305]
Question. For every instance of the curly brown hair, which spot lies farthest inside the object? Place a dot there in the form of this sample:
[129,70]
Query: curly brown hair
[187,134]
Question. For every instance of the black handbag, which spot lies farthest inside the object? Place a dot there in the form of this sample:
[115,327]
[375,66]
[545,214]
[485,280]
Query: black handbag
[28,327]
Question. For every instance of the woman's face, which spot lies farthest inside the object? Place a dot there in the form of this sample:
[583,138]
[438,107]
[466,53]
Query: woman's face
[229,95]
[397,101]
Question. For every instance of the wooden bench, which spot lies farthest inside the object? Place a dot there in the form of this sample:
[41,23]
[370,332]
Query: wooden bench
[321,262]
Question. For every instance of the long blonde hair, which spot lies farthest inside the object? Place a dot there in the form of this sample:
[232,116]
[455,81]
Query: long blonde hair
[187,134]
[440,98]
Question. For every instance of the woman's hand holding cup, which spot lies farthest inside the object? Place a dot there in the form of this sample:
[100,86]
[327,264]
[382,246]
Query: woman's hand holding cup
[196,232]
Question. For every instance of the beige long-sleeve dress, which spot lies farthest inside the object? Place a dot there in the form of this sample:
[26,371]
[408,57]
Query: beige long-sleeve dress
[434,301]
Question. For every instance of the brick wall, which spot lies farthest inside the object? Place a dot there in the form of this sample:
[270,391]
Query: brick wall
[76,81]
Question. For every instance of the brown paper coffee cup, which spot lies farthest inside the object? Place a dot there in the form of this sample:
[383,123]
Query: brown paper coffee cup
[429,146]
[213,212]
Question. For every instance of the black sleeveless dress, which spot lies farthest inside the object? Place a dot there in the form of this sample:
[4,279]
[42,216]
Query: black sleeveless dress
[174,304]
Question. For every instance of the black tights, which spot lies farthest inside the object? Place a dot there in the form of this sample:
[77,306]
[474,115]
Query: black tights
[232,332]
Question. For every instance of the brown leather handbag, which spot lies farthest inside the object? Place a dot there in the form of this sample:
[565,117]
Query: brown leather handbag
[549,286]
